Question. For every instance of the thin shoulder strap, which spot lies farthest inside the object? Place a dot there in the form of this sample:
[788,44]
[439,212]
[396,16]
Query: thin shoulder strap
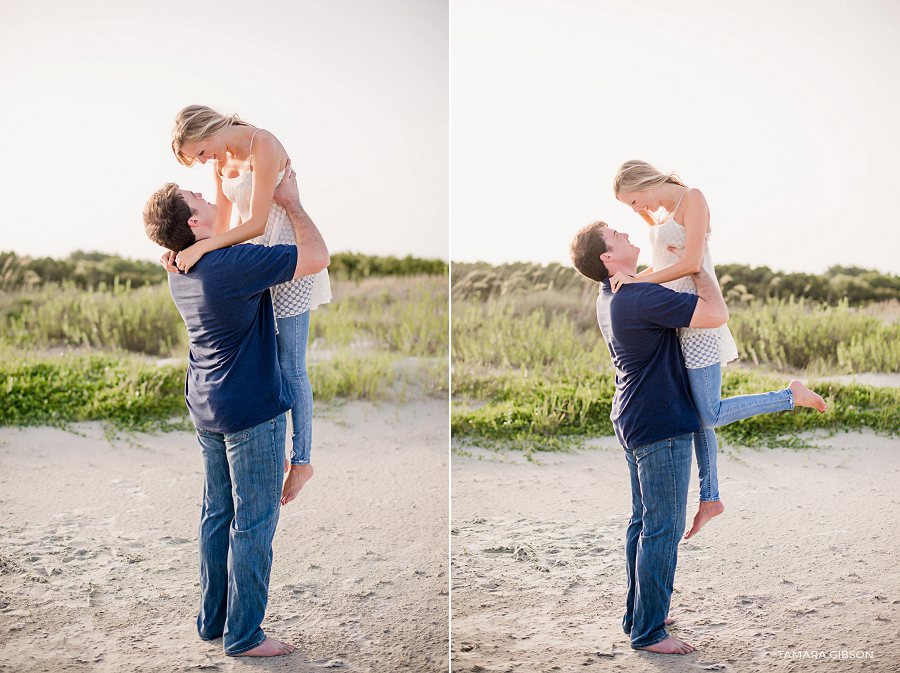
[679,200]
[250,153]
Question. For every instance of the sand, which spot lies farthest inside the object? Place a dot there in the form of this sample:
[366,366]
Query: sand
[98,563]
[801,570]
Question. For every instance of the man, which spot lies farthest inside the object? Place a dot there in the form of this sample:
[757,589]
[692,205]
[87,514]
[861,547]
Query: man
[237,398]
[653,417]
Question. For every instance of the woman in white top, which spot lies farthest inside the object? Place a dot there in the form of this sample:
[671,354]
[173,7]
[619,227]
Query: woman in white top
[249,163]
[680,248]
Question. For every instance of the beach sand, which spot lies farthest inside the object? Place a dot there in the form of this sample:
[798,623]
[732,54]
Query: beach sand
[98,563]
[802,568]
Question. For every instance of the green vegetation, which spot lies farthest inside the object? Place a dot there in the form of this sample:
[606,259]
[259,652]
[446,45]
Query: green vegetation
[124,391]
[72,354]
[531,371]
[93,270]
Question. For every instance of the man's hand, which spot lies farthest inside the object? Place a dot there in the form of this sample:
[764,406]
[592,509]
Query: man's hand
[168,261]
[286,192]
[620,278]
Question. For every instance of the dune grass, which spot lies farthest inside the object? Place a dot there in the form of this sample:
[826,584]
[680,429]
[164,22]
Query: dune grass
[531,371]
[382,337]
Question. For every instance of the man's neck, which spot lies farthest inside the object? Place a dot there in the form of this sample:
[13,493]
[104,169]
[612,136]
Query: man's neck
[628,270]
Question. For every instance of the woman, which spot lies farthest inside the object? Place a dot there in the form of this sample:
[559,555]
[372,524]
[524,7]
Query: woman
[248,165]
[680,248]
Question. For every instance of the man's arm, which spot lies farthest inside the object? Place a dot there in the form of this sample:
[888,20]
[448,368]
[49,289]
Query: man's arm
[312,254]
[710,310]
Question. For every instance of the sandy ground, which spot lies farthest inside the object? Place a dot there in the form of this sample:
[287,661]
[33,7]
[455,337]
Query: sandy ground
[98,551]
[804,562]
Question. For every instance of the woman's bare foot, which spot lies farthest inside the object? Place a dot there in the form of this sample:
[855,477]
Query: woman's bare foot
[705,512]
[271,648]
[669,621]
[804,397]
[294,481]
[669,646]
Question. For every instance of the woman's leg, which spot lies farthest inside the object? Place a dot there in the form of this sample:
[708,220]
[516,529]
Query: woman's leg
[714,412]
[705,451]
[292,336]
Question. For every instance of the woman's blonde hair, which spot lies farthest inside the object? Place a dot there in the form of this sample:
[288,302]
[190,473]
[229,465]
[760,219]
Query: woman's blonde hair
[198,122]
[639,176]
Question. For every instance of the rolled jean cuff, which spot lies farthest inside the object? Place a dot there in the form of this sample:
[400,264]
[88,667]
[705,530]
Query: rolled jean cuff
[635,646]
[300,462]
[790,397]
[246,649]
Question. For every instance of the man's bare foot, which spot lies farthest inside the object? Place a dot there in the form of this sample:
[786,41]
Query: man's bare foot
[705,512]
[294,481]
[669,621]
[669,646]
[271,648]
[804,397]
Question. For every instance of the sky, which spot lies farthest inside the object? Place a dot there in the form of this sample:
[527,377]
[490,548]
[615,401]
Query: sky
[356,91]
[785,114]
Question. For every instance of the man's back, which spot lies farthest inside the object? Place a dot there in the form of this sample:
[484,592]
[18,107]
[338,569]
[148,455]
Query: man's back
[652,399]
[233,380]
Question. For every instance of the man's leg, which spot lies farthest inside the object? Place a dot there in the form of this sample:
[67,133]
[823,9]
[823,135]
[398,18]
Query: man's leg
[632,535]
[256,462]
[663,472]
[216,514]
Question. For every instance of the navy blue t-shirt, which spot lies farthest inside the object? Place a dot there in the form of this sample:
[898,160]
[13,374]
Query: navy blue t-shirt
[652,399]
[233,379]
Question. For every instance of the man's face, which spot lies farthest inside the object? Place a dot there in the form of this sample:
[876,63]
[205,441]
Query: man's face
[618,247]
[204,211]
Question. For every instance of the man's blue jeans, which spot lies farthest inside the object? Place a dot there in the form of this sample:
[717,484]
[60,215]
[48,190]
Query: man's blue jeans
[660,473]
[292,336]
[241,496]
[714,412]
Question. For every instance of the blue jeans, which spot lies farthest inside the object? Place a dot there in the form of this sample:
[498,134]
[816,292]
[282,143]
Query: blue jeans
[660,473]
[241,498]
[713,411]
[293,333]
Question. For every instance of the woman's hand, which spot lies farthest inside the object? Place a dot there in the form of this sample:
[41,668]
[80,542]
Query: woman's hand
[185,259]
[618,279]
[168,261]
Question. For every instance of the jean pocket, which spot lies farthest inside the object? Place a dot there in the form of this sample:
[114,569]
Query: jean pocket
[642,451]
[239,436]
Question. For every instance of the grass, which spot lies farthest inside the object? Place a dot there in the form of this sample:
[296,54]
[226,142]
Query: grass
[124,391]
[531,371]
[111,337]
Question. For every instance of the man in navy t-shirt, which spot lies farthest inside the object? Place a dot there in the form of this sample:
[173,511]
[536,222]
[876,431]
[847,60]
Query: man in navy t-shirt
[237,396]
[653,417]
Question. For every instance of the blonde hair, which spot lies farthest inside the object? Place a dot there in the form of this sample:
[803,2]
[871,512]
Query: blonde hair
[198,122]
[639,176]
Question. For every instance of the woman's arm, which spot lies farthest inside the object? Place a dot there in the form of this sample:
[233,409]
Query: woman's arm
[223,208]
[266,164]
[696,223]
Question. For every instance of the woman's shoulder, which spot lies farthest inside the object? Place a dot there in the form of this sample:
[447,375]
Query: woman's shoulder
[693,197]
[267,147]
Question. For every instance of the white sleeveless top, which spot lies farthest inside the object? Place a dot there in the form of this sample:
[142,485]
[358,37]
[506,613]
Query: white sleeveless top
[701,347]
[295,296]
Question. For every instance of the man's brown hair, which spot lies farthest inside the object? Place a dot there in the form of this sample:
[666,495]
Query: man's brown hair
[585,250]
[166,218]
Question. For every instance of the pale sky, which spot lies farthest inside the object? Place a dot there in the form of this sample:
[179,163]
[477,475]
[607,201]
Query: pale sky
[785,113]
[357,92]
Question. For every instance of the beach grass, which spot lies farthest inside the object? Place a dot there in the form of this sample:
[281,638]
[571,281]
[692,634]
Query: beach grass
[70,354]
[531,370]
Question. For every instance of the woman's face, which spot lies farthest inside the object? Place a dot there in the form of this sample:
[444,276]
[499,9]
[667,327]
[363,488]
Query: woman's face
[639,201]
[212,148]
